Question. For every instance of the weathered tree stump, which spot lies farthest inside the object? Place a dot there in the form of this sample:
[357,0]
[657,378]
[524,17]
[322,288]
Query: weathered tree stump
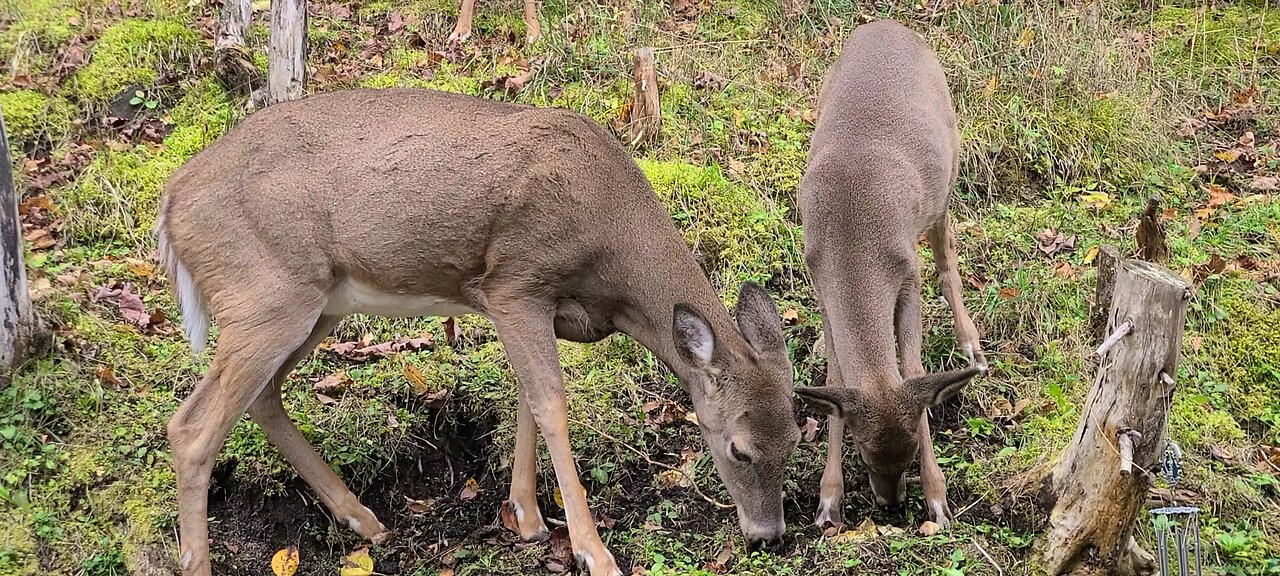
[1150,234]
[20,329]
[646,113]
[1107,259]
[286,51]
[231,58]
[1100,481]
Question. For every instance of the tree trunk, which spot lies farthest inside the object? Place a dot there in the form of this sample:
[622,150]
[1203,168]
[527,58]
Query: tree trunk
[231,58]
[287,51]
[19,326]
[1100,482]
[1108,259]
[646,113]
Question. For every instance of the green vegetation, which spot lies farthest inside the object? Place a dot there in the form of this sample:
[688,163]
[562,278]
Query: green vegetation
[1071,117]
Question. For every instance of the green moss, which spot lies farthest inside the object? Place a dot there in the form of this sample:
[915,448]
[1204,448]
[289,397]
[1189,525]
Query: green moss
[31,117]
[133,52]
[1221,37]
[737,234]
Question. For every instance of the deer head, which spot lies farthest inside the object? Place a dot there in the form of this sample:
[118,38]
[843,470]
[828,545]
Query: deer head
[884,422]
[741,390]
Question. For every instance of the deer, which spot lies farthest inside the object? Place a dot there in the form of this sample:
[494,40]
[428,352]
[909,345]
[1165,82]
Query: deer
[462,29]
[412,202]
[882,162]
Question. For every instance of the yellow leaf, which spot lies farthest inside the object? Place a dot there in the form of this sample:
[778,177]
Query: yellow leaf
[1024,38]
[559,498]
[357,563]
[1090,255]
[470,489]
[991,87]
[417,381]
[1096,199]
[1227,156]
[285,562]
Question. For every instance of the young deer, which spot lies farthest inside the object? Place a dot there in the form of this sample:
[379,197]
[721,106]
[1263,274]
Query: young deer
[405,202]
[882,163]
[462,30]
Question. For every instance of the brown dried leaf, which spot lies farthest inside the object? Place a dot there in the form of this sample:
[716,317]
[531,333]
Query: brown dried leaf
[1008,292]
[1219,195]
[507,514]
[417,382]
[559,550]
[105,374]
[929,528]
[333,384]
[660,413]
[1264,183]
[809,430]
[419,506]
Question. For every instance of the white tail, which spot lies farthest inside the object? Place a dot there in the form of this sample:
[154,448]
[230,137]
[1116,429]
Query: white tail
[195,312]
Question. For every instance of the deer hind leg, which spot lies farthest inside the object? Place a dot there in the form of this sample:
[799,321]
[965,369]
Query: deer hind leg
[269,413]
[528,335]
[908,328]
[524,476]
[247,358]
[831,490]
[533,30]
[462,30]
[942,241]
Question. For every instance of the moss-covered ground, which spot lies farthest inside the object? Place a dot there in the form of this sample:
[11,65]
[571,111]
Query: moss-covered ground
[1072,115]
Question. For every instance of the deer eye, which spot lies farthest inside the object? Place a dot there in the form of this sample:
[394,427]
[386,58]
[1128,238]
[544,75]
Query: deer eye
[738,455]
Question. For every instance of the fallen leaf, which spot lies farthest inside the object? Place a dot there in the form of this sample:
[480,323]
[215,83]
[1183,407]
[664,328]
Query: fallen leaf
[507,514]
[419,506]
[1218,195]
[107,377]
[357,563]
[1096,199]
[40,239]
[707,81]
[1008,292]
[559,550]
[470,489]
[333,384]
[1264,183]
[129,304]
[929,528]
[285,562]
[436,400]
[1215,265]
[865,530]
[1064,270]
[1089,255]
[660,413]
[1001,407]
[417,382]
[720,564]
[1227,156]
[140,267]
[736,167]
[1051,241]
[790,314]
[990,88]
[809,430]
[325,399]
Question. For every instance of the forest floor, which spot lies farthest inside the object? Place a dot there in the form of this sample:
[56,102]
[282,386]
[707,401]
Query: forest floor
[1072,115]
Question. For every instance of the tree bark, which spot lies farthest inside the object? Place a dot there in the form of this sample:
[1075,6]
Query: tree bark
[646,112]
[1150,234]
[1108,259]
[231,58]
[1092,502]
[287,51]
[19,327]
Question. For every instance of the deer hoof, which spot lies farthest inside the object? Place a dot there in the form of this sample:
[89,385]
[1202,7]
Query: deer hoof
[459,36]
[603,566]
[828,515]
[382,537]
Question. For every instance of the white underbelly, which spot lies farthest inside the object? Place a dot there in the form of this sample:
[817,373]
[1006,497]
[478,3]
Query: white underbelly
[353,297]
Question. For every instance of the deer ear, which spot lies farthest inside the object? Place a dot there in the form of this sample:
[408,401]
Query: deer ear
[758,318]
[833,400]
[694,339]
[933,389]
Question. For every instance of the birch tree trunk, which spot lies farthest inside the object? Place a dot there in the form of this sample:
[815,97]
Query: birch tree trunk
[19,326]
[287,51]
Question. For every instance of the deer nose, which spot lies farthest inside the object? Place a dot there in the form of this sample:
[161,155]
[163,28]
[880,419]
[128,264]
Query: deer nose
[771,545]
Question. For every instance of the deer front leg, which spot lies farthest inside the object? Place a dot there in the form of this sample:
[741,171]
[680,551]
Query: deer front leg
[831,491]
[932,482]
[462,30]
[524,477]
[533,30]
[528,335]
[942,241]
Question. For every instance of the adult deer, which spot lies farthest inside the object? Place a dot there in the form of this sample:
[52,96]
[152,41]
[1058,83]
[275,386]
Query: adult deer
[882,162]
[462,30]
[406,202]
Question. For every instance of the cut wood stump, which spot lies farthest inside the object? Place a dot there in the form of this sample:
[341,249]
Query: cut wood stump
[646,112]
[21,331]
[1099,484]
[1107,259]
[1150,234]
